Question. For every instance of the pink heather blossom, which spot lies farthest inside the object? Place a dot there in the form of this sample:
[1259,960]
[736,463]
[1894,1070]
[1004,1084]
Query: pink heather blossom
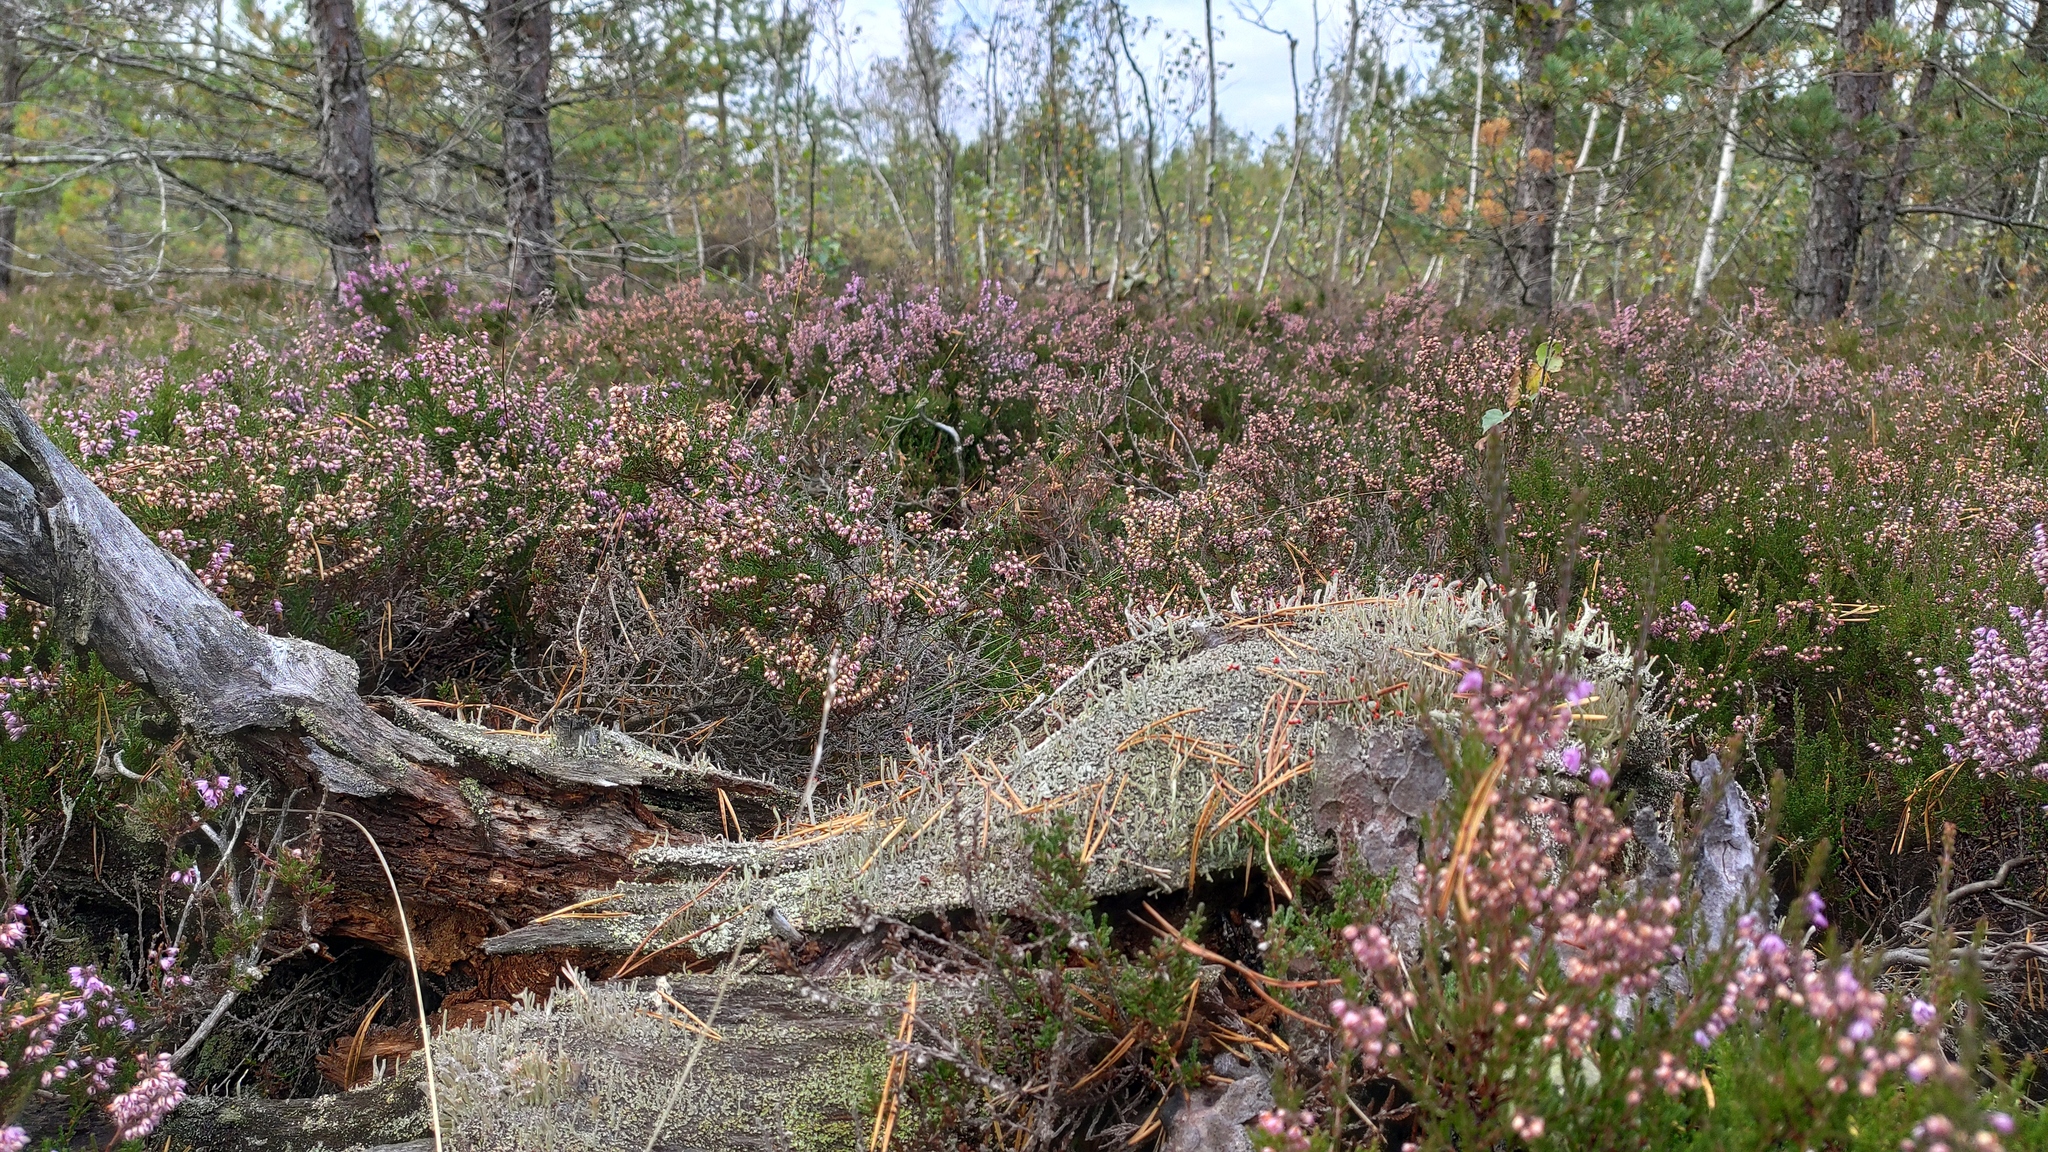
[2000,701]
[1572,760]
[1540,889]
[1289,1129]
[138,1111]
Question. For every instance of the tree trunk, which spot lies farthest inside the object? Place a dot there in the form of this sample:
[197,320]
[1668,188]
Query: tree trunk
[483,829]
[520,48]
[921,19]
[1208,221]
[348,161]
[2037,34]
[1340,122]
[1472,165]
[12,68]
[1717,212]
[1532,226]
[1834,216]
[1877,242]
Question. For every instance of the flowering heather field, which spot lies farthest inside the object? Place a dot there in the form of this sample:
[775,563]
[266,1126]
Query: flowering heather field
[690,512]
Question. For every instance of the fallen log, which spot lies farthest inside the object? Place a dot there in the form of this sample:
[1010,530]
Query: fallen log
[780,1063]
[484,829]
[1192,750]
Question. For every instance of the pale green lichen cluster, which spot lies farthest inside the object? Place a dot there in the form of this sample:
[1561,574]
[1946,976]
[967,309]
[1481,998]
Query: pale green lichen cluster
[593,1066]
[954,839]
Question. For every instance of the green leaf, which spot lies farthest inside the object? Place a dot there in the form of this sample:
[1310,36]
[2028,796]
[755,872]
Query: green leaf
[1493,416]
[1549,357]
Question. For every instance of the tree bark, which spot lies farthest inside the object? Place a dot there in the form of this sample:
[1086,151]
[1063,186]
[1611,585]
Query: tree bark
[921,19]
[482,828]
[12,68]
[1877,242]
[1472,164]
[348,161]
[520,49]
[1834,217]
[1532,226]
[2037,34]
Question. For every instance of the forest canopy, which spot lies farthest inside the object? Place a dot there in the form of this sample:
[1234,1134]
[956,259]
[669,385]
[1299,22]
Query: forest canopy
[1866,157]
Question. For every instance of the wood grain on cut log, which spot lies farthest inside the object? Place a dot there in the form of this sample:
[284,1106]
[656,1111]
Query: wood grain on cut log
[485,829]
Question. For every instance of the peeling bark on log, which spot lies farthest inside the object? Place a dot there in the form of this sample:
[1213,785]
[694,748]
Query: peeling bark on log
[484,829]
[1373,791]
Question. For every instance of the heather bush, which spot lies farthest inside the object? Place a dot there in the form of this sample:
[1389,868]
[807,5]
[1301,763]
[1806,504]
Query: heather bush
[1554,999]
[676,509]
[699,513]
[76,1038]
[1065,1004]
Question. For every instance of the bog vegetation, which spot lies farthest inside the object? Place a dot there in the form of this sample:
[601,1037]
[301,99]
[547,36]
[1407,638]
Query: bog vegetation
[680,370]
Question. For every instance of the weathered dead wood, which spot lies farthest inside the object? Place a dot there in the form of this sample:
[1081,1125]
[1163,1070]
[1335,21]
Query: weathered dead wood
[793,1065]
[1373,790]
[372,1119]
[485,829]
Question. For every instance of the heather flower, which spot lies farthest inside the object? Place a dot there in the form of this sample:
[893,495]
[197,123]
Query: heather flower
[2000,702]
[138,1111]
[215,791]
[1286,1130]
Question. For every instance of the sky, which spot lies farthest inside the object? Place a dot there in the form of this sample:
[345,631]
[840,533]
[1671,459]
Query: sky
[1254,95]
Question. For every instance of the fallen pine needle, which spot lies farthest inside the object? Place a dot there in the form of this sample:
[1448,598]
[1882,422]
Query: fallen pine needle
[666,921]
[563,912]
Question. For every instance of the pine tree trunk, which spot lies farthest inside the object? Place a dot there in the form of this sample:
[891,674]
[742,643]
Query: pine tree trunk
[521,50]
[12,67]
[1834,216]
[348,161]
[1877,240]
[1532,227]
